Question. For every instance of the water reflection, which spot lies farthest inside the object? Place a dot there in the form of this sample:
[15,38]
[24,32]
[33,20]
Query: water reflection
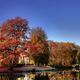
[58,75]
[41,77]
[11,76]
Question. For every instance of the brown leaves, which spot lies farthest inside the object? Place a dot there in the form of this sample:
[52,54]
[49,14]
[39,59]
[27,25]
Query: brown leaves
[61,53]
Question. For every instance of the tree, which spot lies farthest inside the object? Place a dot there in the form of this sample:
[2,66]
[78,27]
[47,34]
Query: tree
[12,40]
[38,39]
[61,53]
[78,56]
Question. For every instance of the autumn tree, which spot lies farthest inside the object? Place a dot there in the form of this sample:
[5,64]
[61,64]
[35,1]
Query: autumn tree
[38,39]
[62,53]
[12,40]
[78,56]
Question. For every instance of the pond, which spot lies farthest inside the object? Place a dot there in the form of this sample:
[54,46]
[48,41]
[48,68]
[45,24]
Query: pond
[48,75]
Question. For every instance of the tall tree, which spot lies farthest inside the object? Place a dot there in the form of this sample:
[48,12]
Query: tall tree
[38,39]
[12,40]
[78,56]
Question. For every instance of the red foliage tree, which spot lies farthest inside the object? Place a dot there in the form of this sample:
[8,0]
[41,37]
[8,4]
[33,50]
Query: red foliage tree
[12,37]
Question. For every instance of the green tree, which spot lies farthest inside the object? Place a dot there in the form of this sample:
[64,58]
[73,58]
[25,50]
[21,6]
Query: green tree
[78,56]
[38,39]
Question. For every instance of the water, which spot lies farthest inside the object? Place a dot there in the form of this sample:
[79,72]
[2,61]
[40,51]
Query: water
[50,75]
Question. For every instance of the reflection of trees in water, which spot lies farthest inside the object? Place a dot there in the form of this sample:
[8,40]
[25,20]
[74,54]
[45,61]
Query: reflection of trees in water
[59,75]
[78,76]
[9,76]
[43,76]
[63,75]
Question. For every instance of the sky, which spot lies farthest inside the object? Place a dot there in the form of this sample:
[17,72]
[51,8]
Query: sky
[60,19]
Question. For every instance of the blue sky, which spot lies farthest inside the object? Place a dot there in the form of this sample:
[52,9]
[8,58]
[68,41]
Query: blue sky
[59,18]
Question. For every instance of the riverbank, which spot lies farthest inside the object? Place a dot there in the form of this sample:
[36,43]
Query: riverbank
[27,68]
[32,68]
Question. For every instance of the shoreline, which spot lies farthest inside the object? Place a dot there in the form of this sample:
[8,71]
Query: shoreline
[26,69]
[33,69]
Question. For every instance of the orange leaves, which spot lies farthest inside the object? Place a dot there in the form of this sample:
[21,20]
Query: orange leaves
[1,56]
[32,49]
[17,21]
[14,41]
[11,56]
[8,43]
[15,26]
[61,53]
[52,44]
[11,32]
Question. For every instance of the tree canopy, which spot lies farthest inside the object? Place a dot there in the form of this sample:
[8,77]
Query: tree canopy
[38,39]
[13,42]
[12,38]
[78,56]
[62,53]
